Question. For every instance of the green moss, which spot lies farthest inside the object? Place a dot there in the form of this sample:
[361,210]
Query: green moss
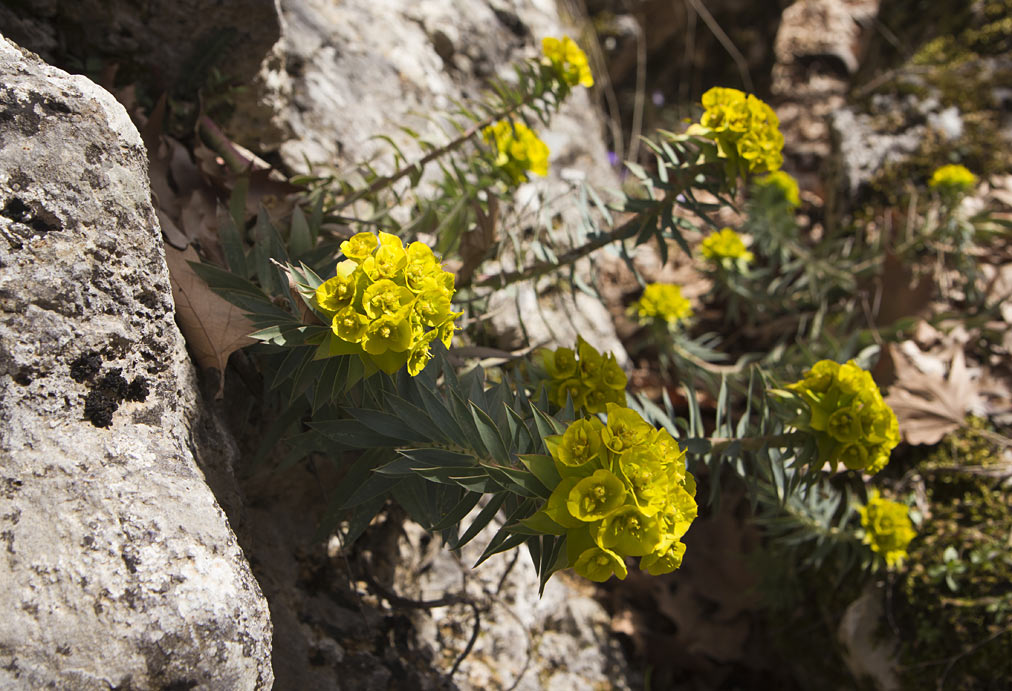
[954,602]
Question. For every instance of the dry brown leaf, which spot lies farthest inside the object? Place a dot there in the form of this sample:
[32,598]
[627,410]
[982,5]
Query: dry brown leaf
[929,406]
[901,296]
[199,222]
[214,328]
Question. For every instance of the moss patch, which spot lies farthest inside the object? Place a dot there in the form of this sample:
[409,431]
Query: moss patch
[954,603]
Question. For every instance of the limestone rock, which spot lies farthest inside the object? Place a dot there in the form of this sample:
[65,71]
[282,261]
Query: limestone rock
[119,568]
[864,146]
[561,640]
[175,40]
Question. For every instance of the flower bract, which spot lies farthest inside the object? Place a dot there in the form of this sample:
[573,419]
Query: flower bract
[592,381]
[662,302]
[624,492]
[387,303]
[725,247]
[518,150]
[887,528]
[848,416]
[569,61]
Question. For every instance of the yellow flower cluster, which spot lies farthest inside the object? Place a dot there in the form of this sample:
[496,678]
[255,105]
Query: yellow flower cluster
[887,528]
[851,421]
[624,492]
[662,302]
[388,303]
[952,178]
[785,186]
[568,60]
[725,247]
[518,150]
[592,380]
[744,127]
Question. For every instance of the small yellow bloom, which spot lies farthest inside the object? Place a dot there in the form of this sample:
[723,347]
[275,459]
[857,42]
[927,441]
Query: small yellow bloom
[725,246]
[952,178]
[662,302]
[745,127]
[784,183]
[623,492]
[388,303]
[887,527]
[518,149]
[849,418]
[569,60]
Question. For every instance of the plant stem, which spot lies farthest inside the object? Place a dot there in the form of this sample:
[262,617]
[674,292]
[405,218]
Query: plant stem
[382,183]
[538,269]
[785,440]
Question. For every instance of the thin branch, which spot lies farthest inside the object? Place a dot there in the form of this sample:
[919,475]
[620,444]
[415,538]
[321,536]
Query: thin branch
[400,602]
[786,440]
[538,269]
[385,181]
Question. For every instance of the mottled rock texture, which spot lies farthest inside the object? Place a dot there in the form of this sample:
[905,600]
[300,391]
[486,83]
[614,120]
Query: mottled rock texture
[175,42]
[561,640]
[118,567]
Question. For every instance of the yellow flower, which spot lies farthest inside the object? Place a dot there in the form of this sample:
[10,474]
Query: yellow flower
[593,381]
[388,303]
[623,492]
[849,418]
[662,302]
[724,247]
[518,150]
[784,184]
[952,178]
[359,246]
[568,60]
[744,127]
[887,527]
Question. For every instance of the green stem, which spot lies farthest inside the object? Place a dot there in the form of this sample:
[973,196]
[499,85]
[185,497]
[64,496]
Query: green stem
[538,269]
[382,183]
[222,145]
[785,440]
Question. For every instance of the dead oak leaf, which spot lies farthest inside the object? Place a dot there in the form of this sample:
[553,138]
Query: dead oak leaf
[928,405]
[213,327]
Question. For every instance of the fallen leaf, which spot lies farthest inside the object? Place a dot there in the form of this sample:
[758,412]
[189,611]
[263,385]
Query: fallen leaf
[929,406]
[199,223]
[901,297]
[213,327]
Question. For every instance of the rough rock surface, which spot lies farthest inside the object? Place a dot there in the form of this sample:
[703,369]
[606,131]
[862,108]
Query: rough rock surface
[559,641]
[175,40]
[119,568]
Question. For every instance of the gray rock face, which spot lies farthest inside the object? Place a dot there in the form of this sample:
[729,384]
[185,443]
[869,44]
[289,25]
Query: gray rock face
[175,39]
[561,640]
[118,567]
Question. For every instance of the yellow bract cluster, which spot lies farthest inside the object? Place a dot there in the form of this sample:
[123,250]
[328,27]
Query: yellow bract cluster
[624,492]
[887,528]
[518,149]
[388,303]
[952,178]
[851,421]
[726,248]
[592,380]
[662,302]
[784,184]
[744,127]
[568,60]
